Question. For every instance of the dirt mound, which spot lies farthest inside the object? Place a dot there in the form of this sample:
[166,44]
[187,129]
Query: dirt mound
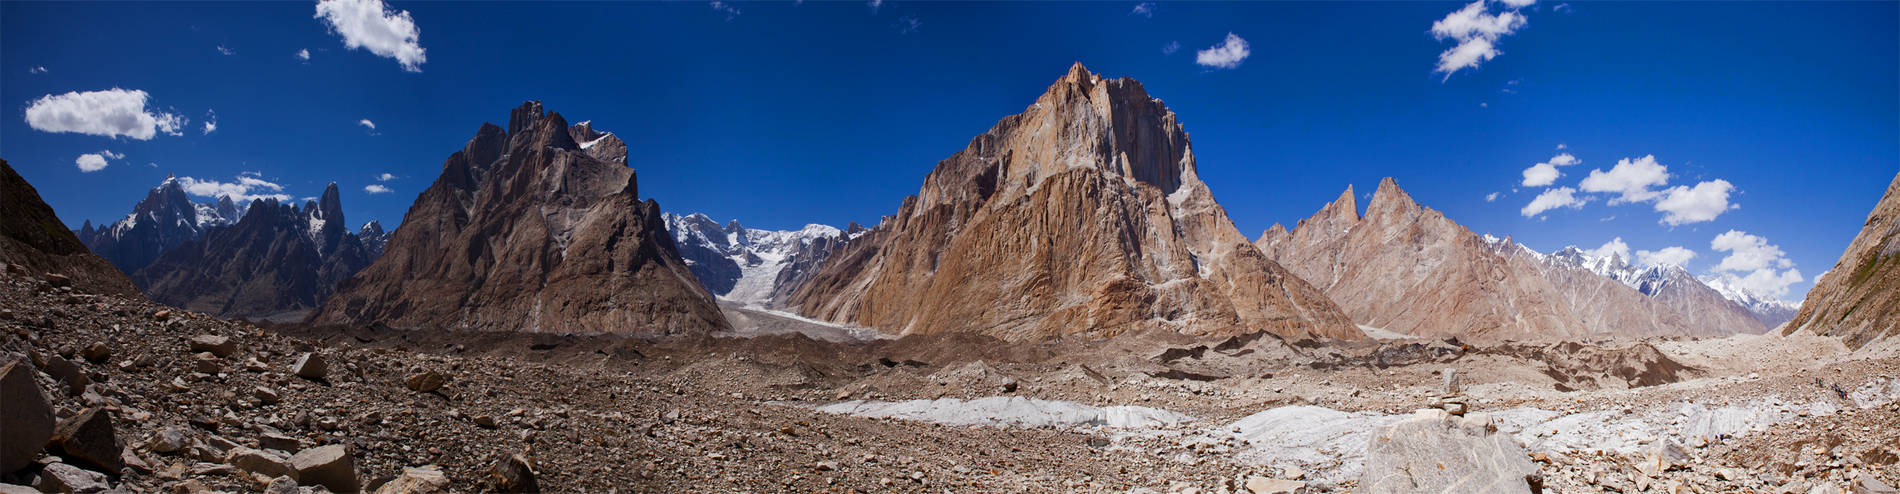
[1584,366]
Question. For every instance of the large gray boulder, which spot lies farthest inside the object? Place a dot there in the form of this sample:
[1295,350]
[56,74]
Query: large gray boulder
[1434,451]
[26,422]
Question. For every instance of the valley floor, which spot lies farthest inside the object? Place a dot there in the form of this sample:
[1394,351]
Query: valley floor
[778,411]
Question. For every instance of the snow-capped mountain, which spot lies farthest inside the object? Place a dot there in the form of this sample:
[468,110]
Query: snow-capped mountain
[165,219]
[1668,283]
[740,264]
[373,238]
[1770,310]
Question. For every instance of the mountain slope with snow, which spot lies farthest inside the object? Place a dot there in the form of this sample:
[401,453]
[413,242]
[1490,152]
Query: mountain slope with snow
[165,219]
[1771,311]
[739,264]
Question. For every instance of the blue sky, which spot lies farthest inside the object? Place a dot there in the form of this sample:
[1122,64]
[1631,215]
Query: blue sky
[779,114]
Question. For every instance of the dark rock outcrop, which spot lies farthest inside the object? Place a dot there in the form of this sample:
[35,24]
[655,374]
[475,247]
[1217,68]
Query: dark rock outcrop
[33,237]
[279,262]
[526,231]
[165,219]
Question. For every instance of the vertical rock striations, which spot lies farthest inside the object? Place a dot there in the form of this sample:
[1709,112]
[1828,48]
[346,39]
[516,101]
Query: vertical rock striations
[535,228]
[1859,300]
[1081,216]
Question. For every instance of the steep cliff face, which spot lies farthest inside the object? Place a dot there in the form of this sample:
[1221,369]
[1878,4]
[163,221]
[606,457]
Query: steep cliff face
[1081,216]
[1407,268]
[526,230]
[33,237]
[1859,300]
[278,262]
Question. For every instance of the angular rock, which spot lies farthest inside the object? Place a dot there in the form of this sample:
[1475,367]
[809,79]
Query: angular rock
[512,473]
[62,478]
[329,466]
[426,381]
[423,480]
[97,353]
[1436,452]
[169,440]
[258,461]
[58,280]
[310,366]
[216,345]
[1263,485]
[266,395]
[278,442]
[26,422]
[89,440]
[67,372]
[1868,484]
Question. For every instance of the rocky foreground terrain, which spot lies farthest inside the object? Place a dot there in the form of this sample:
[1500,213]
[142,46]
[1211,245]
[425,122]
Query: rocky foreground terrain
[144,398]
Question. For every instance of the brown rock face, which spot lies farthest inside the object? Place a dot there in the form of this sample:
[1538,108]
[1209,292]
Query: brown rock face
[1859,300]
[1080,216]
[1407,268]
[33,237]
[526,231]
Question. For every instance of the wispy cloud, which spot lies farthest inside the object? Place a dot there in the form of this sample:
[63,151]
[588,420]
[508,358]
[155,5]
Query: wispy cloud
[724,8]
[1477,31]
[226,51]
[1144,9]
[376,189]
[1170,48]
[908,24]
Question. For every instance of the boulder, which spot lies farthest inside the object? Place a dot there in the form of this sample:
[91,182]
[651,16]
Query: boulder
[329,466]
[512,473]
[1264,485]
[216,345]
[97,353]
[427,381]
[26,422]
[169,441]
[258,461]
[62,478]
[58,280]
[1867,484]
[424,480]
[1434,451]
[67,372]
[310,366]
[88,439]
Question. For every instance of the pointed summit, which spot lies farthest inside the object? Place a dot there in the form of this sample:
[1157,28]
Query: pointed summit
[1390,200]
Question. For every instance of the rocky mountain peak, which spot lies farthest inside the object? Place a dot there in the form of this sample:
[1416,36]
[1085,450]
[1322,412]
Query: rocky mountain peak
[1086,121]
[1390,201]
[530,124]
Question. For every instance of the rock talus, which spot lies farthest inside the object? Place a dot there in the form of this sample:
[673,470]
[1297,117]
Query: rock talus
[1081,216]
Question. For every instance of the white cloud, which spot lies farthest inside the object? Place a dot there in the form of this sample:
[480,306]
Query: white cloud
[724,8]
[1491,197]
[1753,264]
[38,69]
[92,162]
[1477,32]
[366,123]
[1675,255]
[226,51]
[246,189]
[1226,55]
[211,121]
[1631,180]
[1683,204]
[1615,247]
[110,113]
[1544,174]
[1561,197]
[303,54]
[1144,9]
[1170,48]
[370,25]
[385,177]
[376,189]
[1517,4]
[874,4]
